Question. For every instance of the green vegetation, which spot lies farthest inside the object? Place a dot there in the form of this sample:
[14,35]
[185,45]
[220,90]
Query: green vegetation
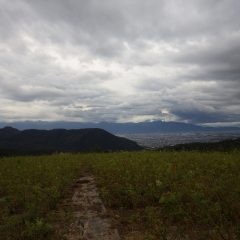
[164,195]
[173,194]
[221,146]
[30,187]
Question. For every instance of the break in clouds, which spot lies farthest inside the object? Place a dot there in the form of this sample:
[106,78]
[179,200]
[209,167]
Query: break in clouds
[128,60]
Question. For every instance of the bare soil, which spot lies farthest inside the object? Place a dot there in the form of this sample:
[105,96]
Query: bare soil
[90,218]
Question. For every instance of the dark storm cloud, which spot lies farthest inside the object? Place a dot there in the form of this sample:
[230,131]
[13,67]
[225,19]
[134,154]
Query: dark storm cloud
[120,60]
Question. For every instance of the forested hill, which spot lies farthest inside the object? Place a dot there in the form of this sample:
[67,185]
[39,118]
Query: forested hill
[13,141]
[223,146]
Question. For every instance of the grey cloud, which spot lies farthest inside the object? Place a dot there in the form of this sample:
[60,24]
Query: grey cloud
[198,116]
[29,93]
[113,60]
[218,60]
[102,27]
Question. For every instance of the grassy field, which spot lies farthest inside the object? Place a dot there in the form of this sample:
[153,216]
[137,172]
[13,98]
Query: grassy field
[155,195]
[30,188]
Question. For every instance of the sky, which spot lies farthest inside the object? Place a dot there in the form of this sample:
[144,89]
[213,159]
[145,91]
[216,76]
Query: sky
[120,60]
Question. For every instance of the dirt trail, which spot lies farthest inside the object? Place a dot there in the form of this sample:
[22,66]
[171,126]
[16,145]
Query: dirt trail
[91,221]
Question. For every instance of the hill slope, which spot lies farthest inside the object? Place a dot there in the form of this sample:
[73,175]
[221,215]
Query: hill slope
[225,145]
[61,140]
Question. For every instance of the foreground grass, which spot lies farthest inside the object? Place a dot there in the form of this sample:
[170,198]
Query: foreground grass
[162,195]
[177,195]
[30,187]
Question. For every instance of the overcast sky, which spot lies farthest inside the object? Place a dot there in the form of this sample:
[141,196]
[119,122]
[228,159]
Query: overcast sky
[120,60]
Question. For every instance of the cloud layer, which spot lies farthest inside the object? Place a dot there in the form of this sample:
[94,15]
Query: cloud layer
[120,60]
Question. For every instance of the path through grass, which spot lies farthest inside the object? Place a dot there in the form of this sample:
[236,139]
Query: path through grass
[157,195]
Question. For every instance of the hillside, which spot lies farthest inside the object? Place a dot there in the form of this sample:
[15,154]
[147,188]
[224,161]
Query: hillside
[13,141]
[225,145]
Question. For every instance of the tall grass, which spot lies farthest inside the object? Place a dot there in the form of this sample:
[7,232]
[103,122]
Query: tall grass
[174,194]
[164,195]
[30,187]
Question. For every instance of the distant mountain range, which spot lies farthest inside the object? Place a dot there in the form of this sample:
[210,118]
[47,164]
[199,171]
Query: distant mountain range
[119,128]
[13,141]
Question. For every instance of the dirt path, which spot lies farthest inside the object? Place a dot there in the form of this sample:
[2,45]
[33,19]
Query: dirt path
[91,221]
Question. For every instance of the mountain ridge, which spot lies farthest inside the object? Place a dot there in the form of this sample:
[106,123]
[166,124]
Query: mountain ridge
[118,128]
[34,141]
